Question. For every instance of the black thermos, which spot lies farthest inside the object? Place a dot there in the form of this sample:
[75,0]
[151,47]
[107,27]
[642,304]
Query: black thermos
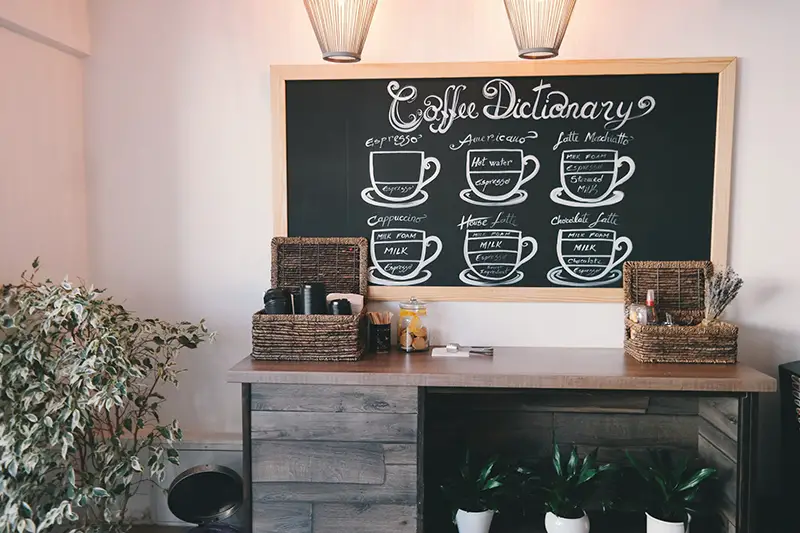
[312,295]
[277,302]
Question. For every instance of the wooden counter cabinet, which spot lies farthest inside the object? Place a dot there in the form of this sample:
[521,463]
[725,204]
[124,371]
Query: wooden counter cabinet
[332,447]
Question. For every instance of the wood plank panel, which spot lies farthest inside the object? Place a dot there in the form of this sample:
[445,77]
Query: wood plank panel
[723,414]
[606,454]
[282,518]
[334,399]
[349,518]
[350,427]
[535,402]
[400,487]
[400,454]
[672,405]
[626,430]
[719,439]
[726,469]
[503,432]
[320,462]
[728,512]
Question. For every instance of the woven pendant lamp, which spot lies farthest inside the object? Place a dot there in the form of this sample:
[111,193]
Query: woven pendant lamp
[341,27]
[539,25]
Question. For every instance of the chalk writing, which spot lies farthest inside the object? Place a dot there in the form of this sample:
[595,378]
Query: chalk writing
[493,138]
[441,112]
[495,175]
[502,218]
[400,255]
[398,178]
[398,141]
[384,221]
[493,257]
[588,257]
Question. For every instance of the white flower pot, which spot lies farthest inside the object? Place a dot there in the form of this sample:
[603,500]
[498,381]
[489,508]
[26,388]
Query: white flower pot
[556,524]
[468,522]
[654,525]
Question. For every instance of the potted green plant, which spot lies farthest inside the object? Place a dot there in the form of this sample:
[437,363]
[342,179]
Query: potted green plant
[671,490]
[474,493]
[567,487]
[81,380]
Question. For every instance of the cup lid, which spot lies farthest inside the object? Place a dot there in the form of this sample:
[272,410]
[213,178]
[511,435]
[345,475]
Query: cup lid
[205,493]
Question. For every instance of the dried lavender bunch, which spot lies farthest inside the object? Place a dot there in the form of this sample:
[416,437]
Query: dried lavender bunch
[721,289]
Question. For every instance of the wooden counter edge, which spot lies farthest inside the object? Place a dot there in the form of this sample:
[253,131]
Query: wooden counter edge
[754,381]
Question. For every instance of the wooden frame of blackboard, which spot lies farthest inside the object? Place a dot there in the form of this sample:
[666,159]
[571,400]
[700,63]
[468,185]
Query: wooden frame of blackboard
[725,67]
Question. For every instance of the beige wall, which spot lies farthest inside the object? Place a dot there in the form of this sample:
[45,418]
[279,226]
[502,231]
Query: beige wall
[62,24]
[42,170]
[178,131]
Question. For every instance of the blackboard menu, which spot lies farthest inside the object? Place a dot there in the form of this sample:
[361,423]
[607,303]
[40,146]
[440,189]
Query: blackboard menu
[508,181]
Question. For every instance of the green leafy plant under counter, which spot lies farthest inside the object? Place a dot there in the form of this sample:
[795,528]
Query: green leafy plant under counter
[475,493]
[670,487]
[565,486]
[478,485]
[572,482]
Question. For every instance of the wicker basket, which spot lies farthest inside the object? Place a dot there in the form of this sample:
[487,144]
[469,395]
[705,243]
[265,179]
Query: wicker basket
[680,290]
[339,263]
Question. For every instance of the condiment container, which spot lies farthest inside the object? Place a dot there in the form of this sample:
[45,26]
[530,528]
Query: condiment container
[652,312]
[412,334]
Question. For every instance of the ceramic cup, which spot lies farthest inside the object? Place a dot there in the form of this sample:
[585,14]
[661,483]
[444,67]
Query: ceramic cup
[398,176]
[589,176]
[400,254]
[495,175]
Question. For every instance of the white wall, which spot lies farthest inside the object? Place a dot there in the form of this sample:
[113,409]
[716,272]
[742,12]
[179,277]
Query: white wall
[42,174]
[178,131]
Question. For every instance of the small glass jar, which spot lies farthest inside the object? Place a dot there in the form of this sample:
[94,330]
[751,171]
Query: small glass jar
[412,334]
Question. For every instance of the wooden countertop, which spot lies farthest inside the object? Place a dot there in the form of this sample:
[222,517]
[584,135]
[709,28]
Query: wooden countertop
[532,368]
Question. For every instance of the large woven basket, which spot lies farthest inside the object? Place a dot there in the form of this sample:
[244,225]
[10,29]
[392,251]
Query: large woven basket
[341,264]
[679,290]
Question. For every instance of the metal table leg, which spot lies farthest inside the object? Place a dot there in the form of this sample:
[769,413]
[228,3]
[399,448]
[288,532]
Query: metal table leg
[247,475]
[747,456]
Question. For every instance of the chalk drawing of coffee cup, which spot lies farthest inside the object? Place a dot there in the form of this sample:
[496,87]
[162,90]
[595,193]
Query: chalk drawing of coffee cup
[400,255]
[398,178]
[495,176]
[591,177]
[588,257]
[493,257]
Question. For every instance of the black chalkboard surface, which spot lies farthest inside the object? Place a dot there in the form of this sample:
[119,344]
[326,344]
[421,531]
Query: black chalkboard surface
[508,181]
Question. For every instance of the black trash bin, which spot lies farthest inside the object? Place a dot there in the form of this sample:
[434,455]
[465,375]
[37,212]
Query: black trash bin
[206,495]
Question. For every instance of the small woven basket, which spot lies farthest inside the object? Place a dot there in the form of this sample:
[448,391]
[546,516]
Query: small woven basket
[339,263]
[680,289]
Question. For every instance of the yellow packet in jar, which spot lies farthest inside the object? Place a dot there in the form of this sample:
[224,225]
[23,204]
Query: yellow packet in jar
[411,331]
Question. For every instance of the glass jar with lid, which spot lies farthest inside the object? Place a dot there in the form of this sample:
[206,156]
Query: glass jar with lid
[412,333]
